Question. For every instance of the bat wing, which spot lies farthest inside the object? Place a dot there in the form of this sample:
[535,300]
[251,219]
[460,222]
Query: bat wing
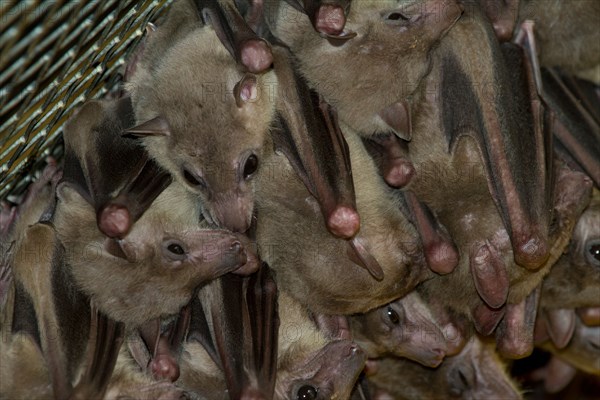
[514,136]
[575,104]
[241,315]
[101,164]
[308,134]
[243,44]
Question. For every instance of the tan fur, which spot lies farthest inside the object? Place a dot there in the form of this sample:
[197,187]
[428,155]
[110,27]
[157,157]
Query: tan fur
[567,32]
[313,266]
[574,281]
[191,85]
[478,362]
[396,62]
[149,285]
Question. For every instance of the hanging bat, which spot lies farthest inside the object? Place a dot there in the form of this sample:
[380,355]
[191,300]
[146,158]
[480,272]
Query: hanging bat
[308,364]
[403,328]
[297,256]
[475,373]
[153,271]
[237,126]
[392,41]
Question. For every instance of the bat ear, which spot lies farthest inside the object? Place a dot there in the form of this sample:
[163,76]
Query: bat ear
[398,117]
[155,127]
[503,16]
[121,249]
[150,27]
[246,90]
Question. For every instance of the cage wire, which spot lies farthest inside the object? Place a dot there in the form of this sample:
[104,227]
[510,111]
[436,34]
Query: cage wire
[54,55]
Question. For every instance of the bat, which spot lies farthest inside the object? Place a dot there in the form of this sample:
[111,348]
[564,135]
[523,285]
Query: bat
[476,372]
[392,41]
[403,328]
[297,255]
[213,144]
[246,118]
[153,271]
[307,363]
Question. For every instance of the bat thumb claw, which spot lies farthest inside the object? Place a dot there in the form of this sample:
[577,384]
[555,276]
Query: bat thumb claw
[114,220]
[532,252]
[343,222]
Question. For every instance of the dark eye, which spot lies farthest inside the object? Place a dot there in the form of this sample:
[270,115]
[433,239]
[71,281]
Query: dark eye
[175,249]
[250,166]
[193,180]
[306,392]
[396,16]
[593,252]
[393,316]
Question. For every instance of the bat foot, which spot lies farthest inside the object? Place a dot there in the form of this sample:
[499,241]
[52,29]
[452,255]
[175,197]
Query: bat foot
[531,253]
[343,222]
[114,220]
[256,55]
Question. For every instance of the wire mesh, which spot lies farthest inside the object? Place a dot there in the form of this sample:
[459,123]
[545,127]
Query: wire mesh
[54,55]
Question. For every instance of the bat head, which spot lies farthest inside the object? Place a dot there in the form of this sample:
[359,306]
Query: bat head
[206,123]
[404,328]
[329,373]
[477,373]
[152,271]
[394,39]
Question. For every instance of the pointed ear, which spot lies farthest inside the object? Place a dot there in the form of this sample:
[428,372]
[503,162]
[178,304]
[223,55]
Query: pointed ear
[113,247]
[155,127]
[246,90]
[398,117]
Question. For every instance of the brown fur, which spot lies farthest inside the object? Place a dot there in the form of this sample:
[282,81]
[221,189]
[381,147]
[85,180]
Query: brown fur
[148,284]
[484,374]
[574,281]
[416,336]
[567,33]
[396,61]
[313,266]
[190,84]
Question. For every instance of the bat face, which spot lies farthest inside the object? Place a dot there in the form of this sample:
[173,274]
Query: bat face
[328,374]
[393,40]
[213,122]
[475,373]
[155,268]
[404,328]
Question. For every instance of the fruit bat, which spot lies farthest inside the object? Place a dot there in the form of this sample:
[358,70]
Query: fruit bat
[403,328]
[297,256]
[573,282]
[235,126]
[308,364]
[153,271]
[475,373]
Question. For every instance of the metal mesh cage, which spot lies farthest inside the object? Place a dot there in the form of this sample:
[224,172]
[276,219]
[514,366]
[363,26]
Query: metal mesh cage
[53,56]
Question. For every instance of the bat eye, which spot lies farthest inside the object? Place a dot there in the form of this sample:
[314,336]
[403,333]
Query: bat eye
[193,179]
[393,316]
[174,250]
[250,166]
[593,252]
[306,392]
[396,16]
